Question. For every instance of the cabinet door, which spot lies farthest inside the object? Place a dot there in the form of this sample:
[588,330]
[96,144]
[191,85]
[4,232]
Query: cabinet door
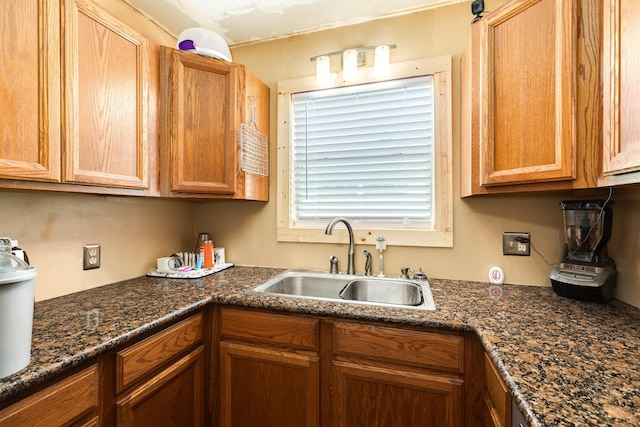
[370,396]
[268,387]
[30,90]
[527,92]
[200,95]
[621,85]
[496,396]
[174,397]
[106,83]
[72,401]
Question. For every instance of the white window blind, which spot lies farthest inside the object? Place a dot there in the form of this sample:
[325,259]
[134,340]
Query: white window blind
[364,152]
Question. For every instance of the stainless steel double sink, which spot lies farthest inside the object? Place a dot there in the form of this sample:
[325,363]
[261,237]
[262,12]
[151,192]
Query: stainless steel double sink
[369,290]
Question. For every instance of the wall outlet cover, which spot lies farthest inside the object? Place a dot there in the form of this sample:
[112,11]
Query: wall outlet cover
[516,243]
[91,256]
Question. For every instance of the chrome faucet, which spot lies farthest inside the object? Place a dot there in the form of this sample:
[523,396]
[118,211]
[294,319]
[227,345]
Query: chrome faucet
[350,263]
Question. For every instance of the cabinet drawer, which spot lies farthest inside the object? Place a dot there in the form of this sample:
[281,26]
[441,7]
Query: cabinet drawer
[71,401]
[172,397]
[496,394]
[428,349]
[139,359]
[292,331]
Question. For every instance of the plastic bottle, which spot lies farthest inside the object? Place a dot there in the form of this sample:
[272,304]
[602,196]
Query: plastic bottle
[208,254]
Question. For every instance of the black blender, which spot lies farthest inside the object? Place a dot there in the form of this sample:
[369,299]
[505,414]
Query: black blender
[586,272]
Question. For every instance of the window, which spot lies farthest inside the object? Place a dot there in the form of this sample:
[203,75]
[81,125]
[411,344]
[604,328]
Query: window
[368,152]
[364,152]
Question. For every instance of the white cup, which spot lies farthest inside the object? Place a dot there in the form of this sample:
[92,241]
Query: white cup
[168,264]
[218,256]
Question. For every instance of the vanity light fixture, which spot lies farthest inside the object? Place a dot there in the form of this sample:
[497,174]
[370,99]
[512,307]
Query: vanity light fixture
[351,59]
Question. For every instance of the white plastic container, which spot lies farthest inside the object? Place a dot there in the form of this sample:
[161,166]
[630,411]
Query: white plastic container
[17,281]
[205,42]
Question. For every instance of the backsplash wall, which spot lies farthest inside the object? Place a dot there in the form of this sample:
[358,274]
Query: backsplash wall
[132,232]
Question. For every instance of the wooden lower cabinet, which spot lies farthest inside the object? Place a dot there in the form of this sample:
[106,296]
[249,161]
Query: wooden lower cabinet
[72,401]
[389,376]
[269,369]
[160,381]
[368,396]
[496,396]
[288,370]
[243,367]
[173,397]
[268,387]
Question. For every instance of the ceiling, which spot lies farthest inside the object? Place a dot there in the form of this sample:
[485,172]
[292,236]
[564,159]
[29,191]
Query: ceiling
[242,21]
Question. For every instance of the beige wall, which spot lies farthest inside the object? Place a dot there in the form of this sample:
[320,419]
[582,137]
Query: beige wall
[132,232]
[248,229]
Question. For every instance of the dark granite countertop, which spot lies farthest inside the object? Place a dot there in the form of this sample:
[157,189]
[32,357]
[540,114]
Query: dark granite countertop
[567,363]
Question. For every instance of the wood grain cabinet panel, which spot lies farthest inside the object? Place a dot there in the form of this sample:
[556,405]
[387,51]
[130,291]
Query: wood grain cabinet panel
[366,395]
[106,76]
[531,103]
[270,328]
[253,111]
[496,395]
[30,90]
[72,401]
[396,376]
[529,65]
[173,397]
[621,85]
[269,369]
[268,387]
[199,102]
[138,360]
[428,349]
[160,381]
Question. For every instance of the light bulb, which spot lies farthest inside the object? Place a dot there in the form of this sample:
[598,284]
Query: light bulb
[382,59]
[323,69]
[350,64]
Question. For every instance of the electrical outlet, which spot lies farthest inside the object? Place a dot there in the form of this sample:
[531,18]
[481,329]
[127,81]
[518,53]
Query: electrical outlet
[91,256]
[516,243]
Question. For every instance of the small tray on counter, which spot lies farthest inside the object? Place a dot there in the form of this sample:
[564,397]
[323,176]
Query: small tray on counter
[191,274]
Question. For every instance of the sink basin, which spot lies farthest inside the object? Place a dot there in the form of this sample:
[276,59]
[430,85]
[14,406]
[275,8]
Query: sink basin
[305,284]
[399,292]
[357,289]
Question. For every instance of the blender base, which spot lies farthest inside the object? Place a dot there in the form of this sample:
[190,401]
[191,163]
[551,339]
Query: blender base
[598,288]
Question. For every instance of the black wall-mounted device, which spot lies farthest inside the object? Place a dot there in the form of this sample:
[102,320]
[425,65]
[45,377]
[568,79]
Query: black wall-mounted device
[477,7]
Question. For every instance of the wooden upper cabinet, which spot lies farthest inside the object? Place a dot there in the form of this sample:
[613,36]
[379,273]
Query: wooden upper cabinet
[198,96]
[528,61]
[621,86]
[531,106]
[253,136]
[106,84]
[30,90]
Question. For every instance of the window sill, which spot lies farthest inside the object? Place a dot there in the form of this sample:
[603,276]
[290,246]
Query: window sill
[394,237]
